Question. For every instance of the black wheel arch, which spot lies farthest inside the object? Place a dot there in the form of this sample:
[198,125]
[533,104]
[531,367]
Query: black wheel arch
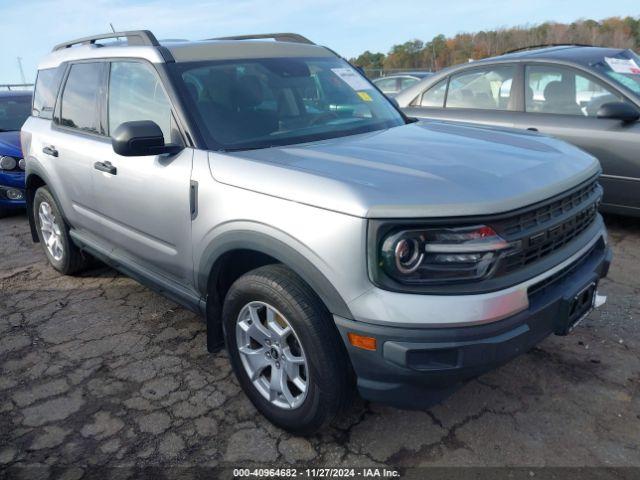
[265,250]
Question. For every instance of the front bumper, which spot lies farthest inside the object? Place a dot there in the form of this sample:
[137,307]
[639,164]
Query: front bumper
[418,367]
[12,180]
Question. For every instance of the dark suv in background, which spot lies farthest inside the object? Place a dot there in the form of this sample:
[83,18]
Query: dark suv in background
[588,96]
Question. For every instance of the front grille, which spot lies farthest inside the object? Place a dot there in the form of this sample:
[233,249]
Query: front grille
[545,229]
[545,214]
[559,275]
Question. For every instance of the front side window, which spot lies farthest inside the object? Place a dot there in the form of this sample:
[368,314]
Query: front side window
[486,89]
[46,90]
[135,93]
[258,103]
[434,97]
[14,111]
[564,91]
[81,98]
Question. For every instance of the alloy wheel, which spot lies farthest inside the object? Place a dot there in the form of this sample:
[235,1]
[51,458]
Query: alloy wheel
[51,231]
[272,355]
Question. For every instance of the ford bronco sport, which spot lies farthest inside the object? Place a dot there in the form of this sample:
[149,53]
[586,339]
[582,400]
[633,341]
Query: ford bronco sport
[329,241]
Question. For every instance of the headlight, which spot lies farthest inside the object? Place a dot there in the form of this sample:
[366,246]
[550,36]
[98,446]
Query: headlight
[22,163]
[8,163]
[441,255]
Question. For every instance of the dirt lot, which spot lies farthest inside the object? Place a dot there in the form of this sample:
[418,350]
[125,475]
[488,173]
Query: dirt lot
[98,370]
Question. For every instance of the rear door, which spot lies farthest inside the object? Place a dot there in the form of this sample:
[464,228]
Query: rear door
[144,202]
[563,102]
[485,95]
[76,133]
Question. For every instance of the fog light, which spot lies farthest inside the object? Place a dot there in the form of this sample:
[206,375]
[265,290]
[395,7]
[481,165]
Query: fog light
[14,194]
[360,341]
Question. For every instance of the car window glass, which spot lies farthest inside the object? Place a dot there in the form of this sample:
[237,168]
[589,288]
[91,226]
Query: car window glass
[406,82]
[80,99]
[14,111]
[135,93]
[564,91]
[488,89]
[387,84]
[434,97]
[46,90]
[262,102]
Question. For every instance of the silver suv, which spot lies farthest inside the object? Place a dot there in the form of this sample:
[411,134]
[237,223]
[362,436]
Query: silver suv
[329,241]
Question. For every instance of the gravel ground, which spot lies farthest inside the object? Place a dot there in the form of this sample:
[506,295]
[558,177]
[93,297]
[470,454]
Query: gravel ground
[97,370]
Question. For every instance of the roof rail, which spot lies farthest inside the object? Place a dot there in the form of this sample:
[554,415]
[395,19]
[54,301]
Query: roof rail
[134,37]
[278,37]
[544,45]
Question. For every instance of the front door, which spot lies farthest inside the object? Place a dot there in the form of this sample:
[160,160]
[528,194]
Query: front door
[563,102]
[144,201]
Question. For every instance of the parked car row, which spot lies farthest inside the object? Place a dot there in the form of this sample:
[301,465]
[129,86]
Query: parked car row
[587,96]
[391,85]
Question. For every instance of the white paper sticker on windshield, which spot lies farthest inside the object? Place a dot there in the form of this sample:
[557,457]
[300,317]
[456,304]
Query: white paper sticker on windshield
[352,78]
[623,65]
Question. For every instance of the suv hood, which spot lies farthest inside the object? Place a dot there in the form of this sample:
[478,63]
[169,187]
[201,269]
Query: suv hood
[425,169]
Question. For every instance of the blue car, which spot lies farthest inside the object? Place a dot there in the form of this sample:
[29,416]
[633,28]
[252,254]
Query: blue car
[15,107]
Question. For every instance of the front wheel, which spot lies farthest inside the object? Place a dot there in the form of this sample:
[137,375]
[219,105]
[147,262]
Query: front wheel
[285,349]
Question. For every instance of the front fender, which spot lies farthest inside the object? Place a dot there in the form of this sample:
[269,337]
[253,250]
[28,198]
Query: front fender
[285,253]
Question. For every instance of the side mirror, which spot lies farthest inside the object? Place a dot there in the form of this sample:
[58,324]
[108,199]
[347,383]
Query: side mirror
[622,111]
[140,138]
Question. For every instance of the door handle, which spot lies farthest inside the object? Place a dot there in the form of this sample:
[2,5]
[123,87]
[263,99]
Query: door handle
[106,167]
[50,150]
[532,129]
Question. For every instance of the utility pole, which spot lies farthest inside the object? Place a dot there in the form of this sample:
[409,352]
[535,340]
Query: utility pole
[21,70]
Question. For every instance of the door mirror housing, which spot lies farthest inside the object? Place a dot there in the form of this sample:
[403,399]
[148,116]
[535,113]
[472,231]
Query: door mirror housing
[141,138]
[622,111]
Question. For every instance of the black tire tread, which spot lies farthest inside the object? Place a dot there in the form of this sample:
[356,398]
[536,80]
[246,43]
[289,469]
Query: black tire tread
[285,283]
[75,261]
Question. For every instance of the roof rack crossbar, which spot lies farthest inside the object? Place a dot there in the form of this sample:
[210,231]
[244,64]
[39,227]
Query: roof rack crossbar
[134,37]
[278,37]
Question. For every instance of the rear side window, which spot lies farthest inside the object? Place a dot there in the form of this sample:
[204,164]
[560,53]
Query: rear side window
[46,91]
[81,98]
[135,93]
[481,89]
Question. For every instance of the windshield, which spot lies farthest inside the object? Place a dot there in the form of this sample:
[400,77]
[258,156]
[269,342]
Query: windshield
[623,68]
[259,103]
[14,110]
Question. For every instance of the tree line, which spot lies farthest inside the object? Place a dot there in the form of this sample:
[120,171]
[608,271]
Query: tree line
[442,52]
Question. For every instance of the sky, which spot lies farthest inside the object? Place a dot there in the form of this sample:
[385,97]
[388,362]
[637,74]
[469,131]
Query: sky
[30,28]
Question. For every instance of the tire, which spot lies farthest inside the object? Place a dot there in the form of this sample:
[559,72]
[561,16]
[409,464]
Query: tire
[64,256]
[314,338]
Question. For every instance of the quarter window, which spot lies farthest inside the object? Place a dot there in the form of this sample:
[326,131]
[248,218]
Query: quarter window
[135,93]
[434,97]
[487,89]
[81,98]
[46,90]
[563,91]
